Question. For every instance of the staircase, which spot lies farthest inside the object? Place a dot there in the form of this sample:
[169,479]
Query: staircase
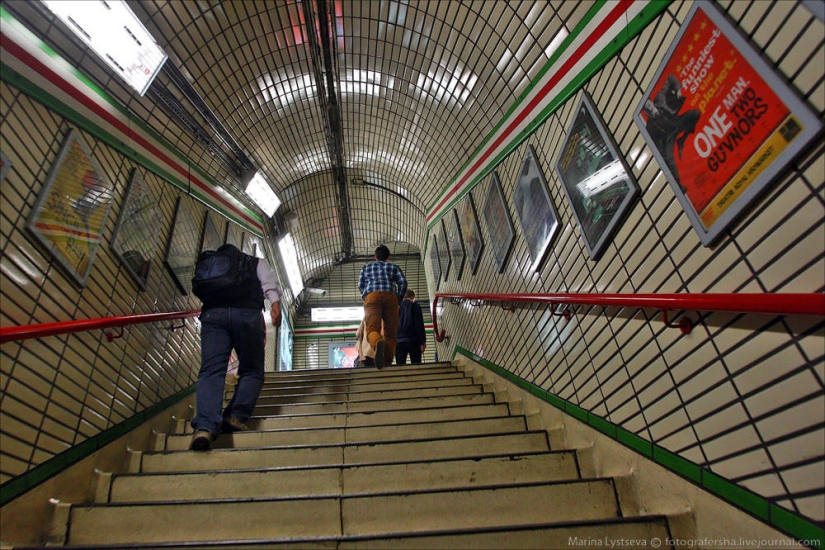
[407,457]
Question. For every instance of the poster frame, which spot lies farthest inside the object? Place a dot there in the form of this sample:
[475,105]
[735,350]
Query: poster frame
[733,197]
[54,220]
[616,171]
[499,223]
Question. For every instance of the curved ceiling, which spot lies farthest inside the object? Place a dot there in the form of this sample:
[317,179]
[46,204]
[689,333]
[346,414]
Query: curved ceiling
[357,112]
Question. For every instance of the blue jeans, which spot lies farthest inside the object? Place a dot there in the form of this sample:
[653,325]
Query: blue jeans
[223,329]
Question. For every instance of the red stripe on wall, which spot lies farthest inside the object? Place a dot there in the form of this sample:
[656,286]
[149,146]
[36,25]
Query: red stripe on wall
[608,21]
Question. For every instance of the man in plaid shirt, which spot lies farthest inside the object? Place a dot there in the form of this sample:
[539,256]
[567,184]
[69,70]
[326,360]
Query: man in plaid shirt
[383,286]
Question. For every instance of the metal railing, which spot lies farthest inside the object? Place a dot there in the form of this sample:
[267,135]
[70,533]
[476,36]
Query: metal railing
[771,304]
[13,334]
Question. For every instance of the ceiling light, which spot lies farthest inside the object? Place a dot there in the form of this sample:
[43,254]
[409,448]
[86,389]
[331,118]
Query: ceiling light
[289,256]
[262,194]
[116,35]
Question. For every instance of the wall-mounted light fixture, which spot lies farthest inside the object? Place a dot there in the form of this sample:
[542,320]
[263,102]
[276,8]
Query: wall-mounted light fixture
[289,256]
[260,192]
[113,31]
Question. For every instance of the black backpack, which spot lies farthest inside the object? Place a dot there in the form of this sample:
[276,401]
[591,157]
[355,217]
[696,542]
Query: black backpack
[223,273]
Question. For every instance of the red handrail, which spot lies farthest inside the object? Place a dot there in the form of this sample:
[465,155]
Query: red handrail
[11,334]
[772,304]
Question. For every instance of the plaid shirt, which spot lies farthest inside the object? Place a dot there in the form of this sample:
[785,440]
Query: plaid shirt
[382,276]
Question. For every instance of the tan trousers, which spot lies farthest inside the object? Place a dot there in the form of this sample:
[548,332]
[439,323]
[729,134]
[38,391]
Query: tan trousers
[382,306]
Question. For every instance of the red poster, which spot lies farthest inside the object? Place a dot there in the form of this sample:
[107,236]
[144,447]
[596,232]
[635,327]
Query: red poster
[716,122]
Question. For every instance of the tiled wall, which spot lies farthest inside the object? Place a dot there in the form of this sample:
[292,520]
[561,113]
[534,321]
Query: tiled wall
[742,395]
[58,391]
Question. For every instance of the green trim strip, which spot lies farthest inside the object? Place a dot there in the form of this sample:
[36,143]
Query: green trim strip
[57,464]
[741,497]
[346,333]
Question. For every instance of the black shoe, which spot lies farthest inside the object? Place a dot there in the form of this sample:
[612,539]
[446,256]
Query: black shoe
[380,354]
[201,441]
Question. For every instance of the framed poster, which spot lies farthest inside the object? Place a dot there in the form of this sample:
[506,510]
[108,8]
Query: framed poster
[135,239]
[595,178]
[444,251]
[536,212]
[499,224]
[470,229]
[720,122]
[5,164]
[71,209]
[234,235]
[435,261]
[211,238]
[342,355]
[181,250]
[454,242]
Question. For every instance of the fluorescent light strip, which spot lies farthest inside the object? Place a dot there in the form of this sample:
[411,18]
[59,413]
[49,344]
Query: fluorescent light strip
[113,31]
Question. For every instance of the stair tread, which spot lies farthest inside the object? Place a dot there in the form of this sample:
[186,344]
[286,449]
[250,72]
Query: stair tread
[347,479]
[355,514]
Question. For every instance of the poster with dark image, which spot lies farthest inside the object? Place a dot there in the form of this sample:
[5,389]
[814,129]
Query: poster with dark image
[471,231]
[499,224]
[595,178]
[211,239]
[234,235]
[455,243]
[444,251]
[720,121]
[536,212]
[135,240]
[181,250]
[435,262]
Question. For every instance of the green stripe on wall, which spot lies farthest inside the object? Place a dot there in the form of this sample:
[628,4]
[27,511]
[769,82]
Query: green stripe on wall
[744,499]
[42,472]
[633,28]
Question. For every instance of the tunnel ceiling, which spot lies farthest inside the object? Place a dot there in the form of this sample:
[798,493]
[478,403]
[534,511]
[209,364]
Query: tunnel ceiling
[358,113]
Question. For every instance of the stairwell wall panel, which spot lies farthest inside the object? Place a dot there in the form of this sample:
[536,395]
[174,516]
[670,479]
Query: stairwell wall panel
[712,397]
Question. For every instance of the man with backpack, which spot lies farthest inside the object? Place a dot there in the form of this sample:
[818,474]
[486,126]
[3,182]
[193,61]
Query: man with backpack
[232,286]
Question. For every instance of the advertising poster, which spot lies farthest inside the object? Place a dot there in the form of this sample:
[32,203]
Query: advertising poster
[720,122]
[537,214]
[444,252]
[499,224]
[472,233]
[181,250]
[595,179]
[454,240]
[435,261]
[135,239]
[211,239]
[342,355]
[72,208]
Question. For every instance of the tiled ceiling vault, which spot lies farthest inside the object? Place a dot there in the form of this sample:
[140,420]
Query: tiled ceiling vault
[357,112]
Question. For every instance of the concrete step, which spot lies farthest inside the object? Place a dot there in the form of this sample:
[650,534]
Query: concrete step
[319,375]
[450,379]
[341,420]
[348,454]
[357,434]
[344,480]
[641,532]
[373,406]
[421,512]
[376,395]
